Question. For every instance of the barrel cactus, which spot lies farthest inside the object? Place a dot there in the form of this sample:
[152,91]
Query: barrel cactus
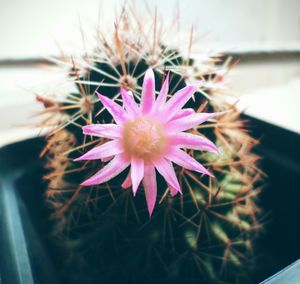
[103,232]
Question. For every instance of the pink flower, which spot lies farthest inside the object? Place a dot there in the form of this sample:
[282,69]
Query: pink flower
[148,137]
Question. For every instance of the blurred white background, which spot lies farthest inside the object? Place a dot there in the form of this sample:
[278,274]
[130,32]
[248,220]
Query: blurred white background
[35,28]
[30,28]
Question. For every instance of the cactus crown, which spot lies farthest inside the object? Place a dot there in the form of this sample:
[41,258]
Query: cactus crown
[205,233]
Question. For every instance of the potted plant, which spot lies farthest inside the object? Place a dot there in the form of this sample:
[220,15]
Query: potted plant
[196,216]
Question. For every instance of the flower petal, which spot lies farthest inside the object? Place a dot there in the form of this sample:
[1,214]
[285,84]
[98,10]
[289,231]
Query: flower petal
[105,150]
[113,108]
[127,182]
[109,171]
[173,190]
[184,160]
[191,141]
[137,173]
[110,131]
[107,158]
[129,102]
[189,122]
[178,100]
[183,113]
[148,92]
[162,97]
[165,168]
[150,187]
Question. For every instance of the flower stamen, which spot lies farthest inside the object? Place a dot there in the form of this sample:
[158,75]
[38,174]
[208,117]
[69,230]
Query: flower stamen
[144,138]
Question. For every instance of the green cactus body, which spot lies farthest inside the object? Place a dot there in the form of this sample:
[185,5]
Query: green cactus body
[204,235]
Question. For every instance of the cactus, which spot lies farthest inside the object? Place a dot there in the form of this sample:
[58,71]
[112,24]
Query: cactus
[103,232]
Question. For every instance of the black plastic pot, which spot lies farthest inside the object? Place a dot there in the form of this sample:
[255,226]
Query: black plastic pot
[24,256]
[28,257]
[279,243]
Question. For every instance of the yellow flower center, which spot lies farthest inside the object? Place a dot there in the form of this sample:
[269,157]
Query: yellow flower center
[144,138]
